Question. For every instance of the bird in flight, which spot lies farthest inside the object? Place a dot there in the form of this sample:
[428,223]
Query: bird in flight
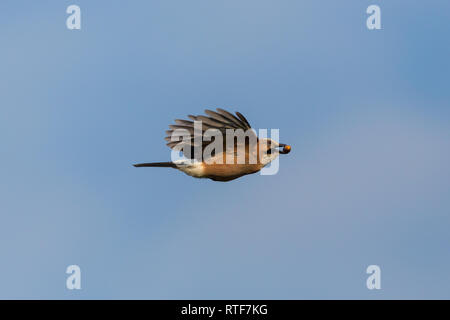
[219,146]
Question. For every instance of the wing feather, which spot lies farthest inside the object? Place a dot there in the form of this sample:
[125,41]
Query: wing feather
[219,119]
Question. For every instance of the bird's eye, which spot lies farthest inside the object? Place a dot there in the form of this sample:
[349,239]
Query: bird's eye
[269,151]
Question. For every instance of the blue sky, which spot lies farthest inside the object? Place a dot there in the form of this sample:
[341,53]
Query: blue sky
[367,182]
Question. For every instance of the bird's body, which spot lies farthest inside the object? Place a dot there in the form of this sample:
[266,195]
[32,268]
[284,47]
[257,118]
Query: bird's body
[217,172]
[225,162]
[213,171]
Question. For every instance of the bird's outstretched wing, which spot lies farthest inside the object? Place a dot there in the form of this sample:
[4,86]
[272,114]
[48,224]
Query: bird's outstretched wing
[219,119]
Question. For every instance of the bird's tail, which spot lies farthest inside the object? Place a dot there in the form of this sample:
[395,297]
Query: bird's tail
[156,164]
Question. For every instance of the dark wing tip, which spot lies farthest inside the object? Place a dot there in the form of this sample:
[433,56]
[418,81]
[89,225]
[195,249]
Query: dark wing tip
[243,119]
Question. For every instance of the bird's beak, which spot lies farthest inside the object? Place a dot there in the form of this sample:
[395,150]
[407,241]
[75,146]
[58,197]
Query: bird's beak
[286,148]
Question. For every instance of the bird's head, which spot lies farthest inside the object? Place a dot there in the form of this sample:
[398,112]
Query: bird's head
[271,149]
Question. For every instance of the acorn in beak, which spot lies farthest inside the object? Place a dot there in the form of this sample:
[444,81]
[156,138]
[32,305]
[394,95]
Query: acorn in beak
[286,148]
